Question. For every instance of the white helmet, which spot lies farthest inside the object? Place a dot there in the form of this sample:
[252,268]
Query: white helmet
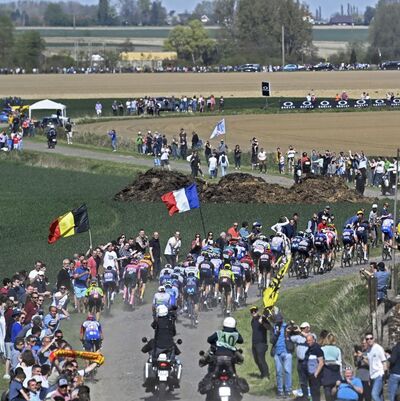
[161,311]
[161,288]
[374,206]
[229,323]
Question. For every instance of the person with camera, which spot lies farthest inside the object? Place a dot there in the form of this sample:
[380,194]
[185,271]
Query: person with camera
[281,351]
[259,327]
[348,389]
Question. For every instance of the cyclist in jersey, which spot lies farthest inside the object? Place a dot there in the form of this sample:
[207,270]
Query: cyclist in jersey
[321,246]
[387,229]
[330,233]
[248,269]
[258,248]
[278,245]
[145,270]
[110,282]
[131,277]
[295,243]
[95,298]
[265,263]
[349,238]
[165,274]
[304,249]
[91,334]
[362,228]
[161,298]
[206,269]
[173,293]
[238,272]
[240,249]
[191,288]
[226,280]
[192,268]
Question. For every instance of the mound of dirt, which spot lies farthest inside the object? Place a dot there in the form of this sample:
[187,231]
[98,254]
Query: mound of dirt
[238,188]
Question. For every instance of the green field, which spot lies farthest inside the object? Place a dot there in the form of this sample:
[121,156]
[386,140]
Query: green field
[33,196]
[340,34]
[338,305]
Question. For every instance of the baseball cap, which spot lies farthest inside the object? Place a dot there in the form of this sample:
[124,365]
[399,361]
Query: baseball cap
[37,378]
[304,325]
[62,381]
[16,312]
[253,308]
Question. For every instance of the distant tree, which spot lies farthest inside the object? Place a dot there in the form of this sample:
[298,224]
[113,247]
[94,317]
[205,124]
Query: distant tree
[206,7]
[55,16]
[129,12]
[6,40]
[369,14]
[191,42]
[29,48]
[111,58]
[127,46]
[158,13]
[385,30]
[144,11]
[103,14]
[353,56]
[59,61]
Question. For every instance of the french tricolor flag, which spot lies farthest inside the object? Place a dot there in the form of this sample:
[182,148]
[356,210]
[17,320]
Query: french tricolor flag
[182,200]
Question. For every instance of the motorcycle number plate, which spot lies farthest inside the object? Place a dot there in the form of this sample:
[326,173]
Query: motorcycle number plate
[224,392]
[163,375]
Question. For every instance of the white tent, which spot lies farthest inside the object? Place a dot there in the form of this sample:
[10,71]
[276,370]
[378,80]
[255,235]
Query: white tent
[48,105]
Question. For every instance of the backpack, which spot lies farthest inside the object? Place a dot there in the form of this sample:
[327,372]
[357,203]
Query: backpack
[223,159]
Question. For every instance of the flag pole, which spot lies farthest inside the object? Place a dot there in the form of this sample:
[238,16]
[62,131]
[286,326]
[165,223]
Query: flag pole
[90,239]
[202,222]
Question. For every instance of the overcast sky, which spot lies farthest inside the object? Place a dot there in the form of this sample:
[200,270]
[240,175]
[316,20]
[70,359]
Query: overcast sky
[328,6]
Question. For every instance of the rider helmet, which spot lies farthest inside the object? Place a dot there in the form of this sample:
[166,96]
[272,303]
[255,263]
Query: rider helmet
[300,234]
[167,266]
[161,311]
[257,224]
[348,226]
[93,282]
[374,206]
[161,288]
[229,323]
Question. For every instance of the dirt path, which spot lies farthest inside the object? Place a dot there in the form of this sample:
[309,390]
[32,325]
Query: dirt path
[118,158]
[122,375]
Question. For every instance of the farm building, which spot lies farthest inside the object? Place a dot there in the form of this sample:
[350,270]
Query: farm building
[153,60]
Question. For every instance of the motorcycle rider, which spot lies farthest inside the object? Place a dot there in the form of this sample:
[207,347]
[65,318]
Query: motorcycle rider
[51,137]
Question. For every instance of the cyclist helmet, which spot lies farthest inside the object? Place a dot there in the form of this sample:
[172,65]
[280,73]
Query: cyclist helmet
[167,266]
[162,311]
[161,288]
[360,212]
[348,226]
[168,284]
[279,234]
[93,282]
[390,216]
[189,256]
[374,206]
[263,237]
[147,256]
[109,267]
[300,234]
[229,323]
[308,233]
[257,224]
[91,316]
[191,274]
[227,266]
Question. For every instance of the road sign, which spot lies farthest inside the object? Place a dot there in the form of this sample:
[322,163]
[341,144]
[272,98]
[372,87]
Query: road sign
[266,88]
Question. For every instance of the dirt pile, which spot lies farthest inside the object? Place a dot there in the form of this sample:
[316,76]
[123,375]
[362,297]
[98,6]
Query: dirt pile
[238,188]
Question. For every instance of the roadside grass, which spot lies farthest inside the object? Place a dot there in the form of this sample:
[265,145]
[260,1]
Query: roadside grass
[338,305]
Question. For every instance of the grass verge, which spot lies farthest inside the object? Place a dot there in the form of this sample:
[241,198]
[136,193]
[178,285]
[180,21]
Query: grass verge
[338,305]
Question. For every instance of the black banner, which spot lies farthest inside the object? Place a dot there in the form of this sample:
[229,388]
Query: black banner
[265,88]
[325,104]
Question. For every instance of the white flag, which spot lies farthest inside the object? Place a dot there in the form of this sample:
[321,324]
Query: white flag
[219,129]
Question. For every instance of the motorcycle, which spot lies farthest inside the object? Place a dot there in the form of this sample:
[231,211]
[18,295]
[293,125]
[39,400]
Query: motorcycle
[221,383]
[162,373]
[52,139]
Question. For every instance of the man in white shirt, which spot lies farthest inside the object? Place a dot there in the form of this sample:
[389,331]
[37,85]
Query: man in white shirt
[291,153]
[33,273]
[110,258]
[262,160]
[377,366]
[172,249]
[165,158]
[379,172]
[213,166]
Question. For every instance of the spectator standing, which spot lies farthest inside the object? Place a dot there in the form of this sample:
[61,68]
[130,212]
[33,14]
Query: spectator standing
[254,153]
[155,252]
[207,150]
[195,140]
[222,148]
[377,366]
[165,151]
[174,148]
[172,248]
[183,144]
[262,160]
[141,242]
[213,166]
[361,363]
[63,277]
[259,341]
[394,370]
[237,154]
[68,131]
[224,163]
[332,365]
[314,363]
[139,143]
[113,136]
[98,108]
[290,154]
[281,351]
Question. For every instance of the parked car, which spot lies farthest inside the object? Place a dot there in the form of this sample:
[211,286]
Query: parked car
[165,104]
[323,67]
[290,67]
[390,65]
[250,68]
[3,117]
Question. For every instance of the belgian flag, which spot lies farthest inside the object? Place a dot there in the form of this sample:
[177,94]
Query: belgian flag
[71,223]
